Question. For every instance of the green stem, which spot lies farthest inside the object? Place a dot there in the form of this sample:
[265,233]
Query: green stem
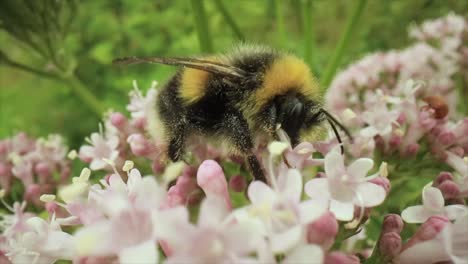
[229,19]
[85,95]
[280,23]
[343,43]
[201,25]
[75,85]
[462,90]
[26,68]
[308,35]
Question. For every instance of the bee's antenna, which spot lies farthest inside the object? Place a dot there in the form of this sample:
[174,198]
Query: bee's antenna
[332,121]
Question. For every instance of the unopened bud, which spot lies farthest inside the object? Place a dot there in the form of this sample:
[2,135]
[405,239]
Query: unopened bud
[449,189]
[118,119]
[237,183]
[392,223]
[390,244]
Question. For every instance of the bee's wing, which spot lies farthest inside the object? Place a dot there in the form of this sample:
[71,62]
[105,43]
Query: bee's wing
[204,65]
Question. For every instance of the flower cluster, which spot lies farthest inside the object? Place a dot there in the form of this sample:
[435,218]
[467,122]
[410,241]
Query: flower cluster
[395,116]
[317,206]
[37,165]
[127,220]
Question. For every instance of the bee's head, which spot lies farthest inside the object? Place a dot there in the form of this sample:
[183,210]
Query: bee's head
[298,115]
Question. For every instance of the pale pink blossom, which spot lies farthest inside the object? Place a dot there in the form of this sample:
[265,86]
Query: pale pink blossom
[41,242]
[344,187]
[438,240]
[211,179]
[433,204]
[282,214]
[215,238]
[100,148]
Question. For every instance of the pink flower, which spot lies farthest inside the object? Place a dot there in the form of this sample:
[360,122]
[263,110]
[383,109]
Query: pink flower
[283,215]
[41,242]
[215,238]
[323,231]
[101,147]
[301,156]
[344,187]
[438,240]
[211,179]
[433,204]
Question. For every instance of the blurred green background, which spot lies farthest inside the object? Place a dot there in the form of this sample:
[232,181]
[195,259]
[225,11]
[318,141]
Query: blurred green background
[55,56]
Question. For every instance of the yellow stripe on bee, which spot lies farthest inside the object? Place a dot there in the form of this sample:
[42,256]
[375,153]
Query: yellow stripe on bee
[193,84]
[286,74]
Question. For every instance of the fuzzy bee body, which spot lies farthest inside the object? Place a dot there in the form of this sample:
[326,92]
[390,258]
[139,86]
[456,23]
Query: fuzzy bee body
[238,97]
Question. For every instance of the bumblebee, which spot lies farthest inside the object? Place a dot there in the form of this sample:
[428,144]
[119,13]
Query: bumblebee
[239,97]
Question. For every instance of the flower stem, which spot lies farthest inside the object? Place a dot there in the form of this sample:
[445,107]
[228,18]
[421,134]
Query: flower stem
[201,25]
[350,28]
[85,95]
[308,33]
[229,19]
[280,23]
[75,85]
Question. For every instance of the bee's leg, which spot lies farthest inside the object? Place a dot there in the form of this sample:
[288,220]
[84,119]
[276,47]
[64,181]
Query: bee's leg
[176,146]
[237,129]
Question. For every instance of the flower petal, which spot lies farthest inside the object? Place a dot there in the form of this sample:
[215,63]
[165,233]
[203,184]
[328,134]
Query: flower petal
[292,188]
[283,242]
[431,251]
[433,199]
[359,168]
[415,214]
[213,210]
[305,254]
[258,192]
[342,211]
[143,253]
[455,211]
[317,188]
[312,209]
[334,165]
[242,238]
[369,194]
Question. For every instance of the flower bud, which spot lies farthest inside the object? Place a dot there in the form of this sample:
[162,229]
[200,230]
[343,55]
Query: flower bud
[341,258]
[139,145]
[382,181]
[390,244]
[392,223]
[33,193]
[428,230]
[157,166]
[446,138]
[118,120]
[210,178]
[323,231]
[4,169]
[237,183]
[43,169]
[443,176]
[51,207]
[449,189]
[412,149]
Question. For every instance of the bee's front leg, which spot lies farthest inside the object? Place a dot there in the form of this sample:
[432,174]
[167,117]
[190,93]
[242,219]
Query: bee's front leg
[237,130]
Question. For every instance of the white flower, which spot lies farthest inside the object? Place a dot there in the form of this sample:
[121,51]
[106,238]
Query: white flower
[433,204]
[42,242]
[450,244]
[346,187]
[280,211]
[101,148]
